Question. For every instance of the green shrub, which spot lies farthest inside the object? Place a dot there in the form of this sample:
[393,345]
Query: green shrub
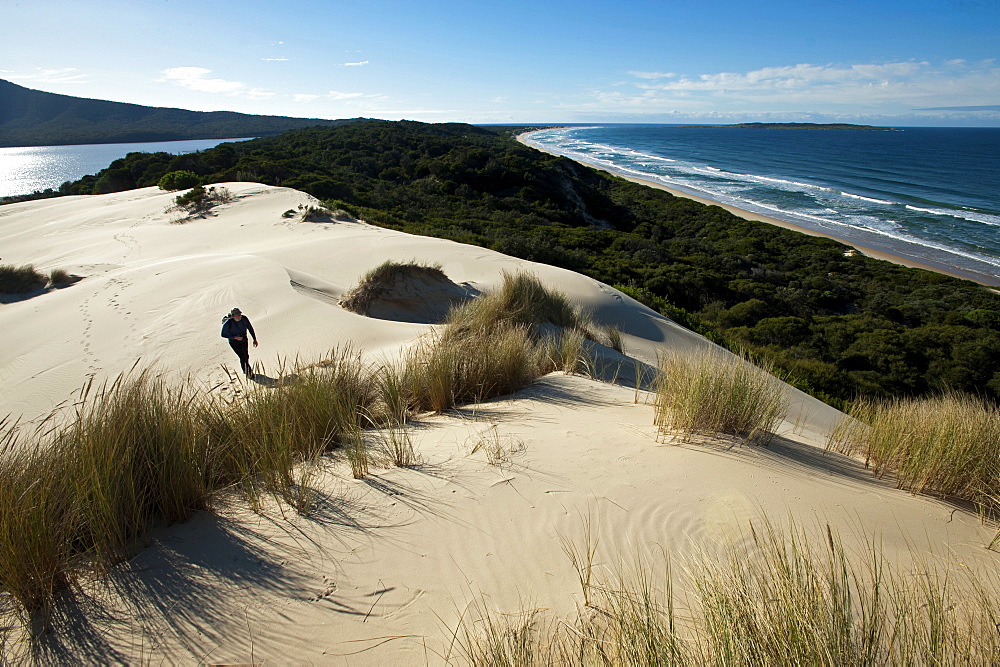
[193,199]
[179,180]
[199,200]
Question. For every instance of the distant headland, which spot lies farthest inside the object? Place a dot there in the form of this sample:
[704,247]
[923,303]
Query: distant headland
[36,118]
[803,126]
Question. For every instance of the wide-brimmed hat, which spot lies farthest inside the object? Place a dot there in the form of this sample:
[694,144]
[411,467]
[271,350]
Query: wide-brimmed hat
[235,311]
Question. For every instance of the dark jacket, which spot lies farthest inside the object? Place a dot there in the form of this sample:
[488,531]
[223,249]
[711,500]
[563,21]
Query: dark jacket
[231,328]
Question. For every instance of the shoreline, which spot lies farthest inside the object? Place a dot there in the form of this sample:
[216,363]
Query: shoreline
[875,253]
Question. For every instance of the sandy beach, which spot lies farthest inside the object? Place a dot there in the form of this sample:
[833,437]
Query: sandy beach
[877,253]
[388,568]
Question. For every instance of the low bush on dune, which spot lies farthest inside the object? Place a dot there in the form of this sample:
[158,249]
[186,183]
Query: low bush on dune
[777,597]
[199,200]
[138,451]
[379,282]
[20,279]
[711,391]
[948,445]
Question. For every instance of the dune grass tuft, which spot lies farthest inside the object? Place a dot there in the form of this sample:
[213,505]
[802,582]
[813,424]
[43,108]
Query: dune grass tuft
[711,391]
[779,597]
[947,445]
[378,282]
[20,279]
[497,344]
[447,370]
[60,278]
[521,300]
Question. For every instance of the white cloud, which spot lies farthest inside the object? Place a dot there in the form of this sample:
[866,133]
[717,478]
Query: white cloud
[42,75]
[653,75]
[275,60]
[338,96]
[259,94]
[196,78]
[876,87]
[358,64]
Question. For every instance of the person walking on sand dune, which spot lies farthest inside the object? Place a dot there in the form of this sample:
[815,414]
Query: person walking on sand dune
[235,328]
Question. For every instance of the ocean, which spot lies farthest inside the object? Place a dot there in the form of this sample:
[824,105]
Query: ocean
[27,170]
[931,195]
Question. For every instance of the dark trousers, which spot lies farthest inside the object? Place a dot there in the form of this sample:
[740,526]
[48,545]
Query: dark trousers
[242,350]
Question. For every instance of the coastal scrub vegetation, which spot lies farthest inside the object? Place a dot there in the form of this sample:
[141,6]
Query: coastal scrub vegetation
[198,200]
[840,324]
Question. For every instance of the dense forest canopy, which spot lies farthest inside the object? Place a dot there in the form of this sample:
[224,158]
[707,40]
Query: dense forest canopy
[841,324]
[36,118]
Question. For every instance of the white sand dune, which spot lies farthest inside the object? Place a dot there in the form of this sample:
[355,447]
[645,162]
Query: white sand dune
[386,567]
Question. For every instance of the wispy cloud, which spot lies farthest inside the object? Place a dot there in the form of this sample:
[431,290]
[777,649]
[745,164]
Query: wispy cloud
[980,107]
[196,78]
[357,64]
[275,60]
[811,87]
[338,96]
[42,75]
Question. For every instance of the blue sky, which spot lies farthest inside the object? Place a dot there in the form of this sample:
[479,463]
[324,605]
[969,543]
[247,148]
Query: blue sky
[921,62]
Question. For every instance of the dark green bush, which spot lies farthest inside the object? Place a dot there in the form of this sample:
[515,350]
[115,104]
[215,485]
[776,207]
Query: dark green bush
[193,199]
[179,180]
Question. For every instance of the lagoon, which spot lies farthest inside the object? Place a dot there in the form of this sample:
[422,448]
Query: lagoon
[29,169]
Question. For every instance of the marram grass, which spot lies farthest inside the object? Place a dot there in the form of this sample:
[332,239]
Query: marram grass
[713,392]
[778,597]
[947,445]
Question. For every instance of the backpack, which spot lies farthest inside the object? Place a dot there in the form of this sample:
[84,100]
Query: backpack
[225,321]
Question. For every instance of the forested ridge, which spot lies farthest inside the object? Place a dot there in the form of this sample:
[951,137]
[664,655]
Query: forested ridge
[841,324]
[36,118]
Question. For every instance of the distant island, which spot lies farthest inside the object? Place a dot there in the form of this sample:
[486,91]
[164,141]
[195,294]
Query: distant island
[803,126]
[36,118]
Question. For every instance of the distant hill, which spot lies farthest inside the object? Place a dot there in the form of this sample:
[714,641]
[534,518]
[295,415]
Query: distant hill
[35,118]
